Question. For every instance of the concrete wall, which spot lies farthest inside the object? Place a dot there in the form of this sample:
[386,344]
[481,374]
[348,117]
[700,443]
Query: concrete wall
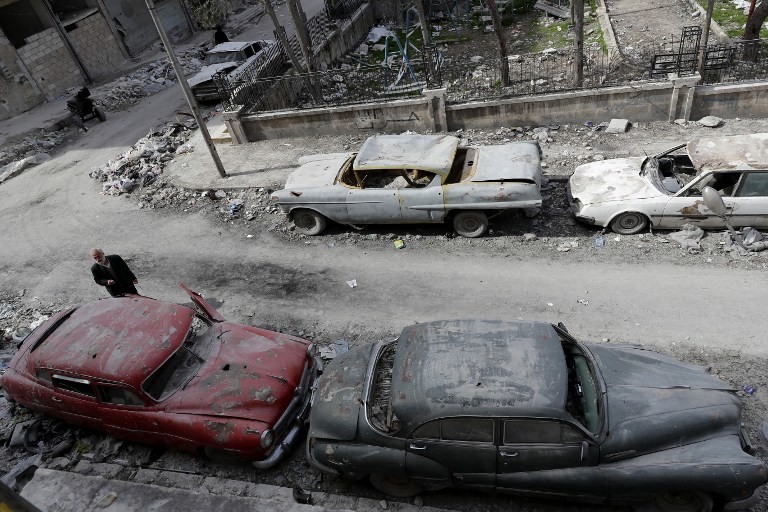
[96,46]
[49,63]
[132,19]
[347,37]
[659,101]
[649,103]
[18,92]
[370,118]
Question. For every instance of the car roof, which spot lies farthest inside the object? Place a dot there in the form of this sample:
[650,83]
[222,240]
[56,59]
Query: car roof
[743,152]
[231,46]
[433,153]
[121,339]
[478,367]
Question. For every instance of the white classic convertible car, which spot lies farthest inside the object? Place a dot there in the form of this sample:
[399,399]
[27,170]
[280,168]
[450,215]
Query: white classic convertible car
[409,179]
[665,190]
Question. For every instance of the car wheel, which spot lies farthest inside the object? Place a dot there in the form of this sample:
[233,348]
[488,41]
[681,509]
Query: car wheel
[100,114]
[223,456]
[629,223]
[78,121]
[470,224]
[397,486]
[309,222]
[684,501]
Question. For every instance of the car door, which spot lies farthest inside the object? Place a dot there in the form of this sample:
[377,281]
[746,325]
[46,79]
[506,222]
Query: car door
[464,445]
[75,400]
[373,204]
[126,415]
[687,206]
[751,197]
[423,204]
[547,455]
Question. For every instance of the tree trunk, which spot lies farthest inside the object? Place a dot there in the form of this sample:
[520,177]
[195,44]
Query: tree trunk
[499,30]
[752,30]
[419,4]
[280,32]
[705,36]
[300,24]
[578,42]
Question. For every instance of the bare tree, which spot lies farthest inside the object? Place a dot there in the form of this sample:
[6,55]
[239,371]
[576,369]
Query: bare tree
[419,4]
[752,28]
[499,30]
[281,36]
[577,12]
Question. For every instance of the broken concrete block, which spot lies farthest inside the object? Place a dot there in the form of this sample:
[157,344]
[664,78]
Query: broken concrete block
[617,126]
[710,121]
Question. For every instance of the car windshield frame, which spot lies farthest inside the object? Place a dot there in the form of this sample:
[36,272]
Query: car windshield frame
[224,57]
[185,363]
[572,347]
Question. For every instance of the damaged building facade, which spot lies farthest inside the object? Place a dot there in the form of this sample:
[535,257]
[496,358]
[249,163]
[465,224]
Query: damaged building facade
[49,46]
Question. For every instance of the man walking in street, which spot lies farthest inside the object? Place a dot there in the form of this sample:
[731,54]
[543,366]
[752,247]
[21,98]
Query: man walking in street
[112,272]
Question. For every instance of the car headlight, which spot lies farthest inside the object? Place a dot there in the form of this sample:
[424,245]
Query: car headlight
[267,438]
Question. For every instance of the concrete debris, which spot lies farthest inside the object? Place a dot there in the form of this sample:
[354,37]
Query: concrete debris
[688,237]
[710,121]
[617,126]
[530,237]
[106,500]
[9,478]
[144,162]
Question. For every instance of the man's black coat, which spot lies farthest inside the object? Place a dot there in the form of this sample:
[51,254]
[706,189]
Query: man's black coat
[123,276]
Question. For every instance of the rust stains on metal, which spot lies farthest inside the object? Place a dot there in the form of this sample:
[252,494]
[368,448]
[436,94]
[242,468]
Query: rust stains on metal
[223,430]
[692,209]
[264,395]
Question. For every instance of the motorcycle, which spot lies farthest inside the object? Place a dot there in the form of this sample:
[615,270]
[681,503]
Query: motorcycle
[83,109]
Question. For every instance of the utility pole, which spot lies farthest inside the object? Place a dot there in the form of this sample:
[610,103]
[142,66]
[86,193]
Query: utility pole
[300,24]
[705,36]
[185,87]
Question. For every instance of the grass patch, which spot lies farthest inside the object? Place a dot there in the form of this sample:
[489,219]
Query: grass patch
[730,18]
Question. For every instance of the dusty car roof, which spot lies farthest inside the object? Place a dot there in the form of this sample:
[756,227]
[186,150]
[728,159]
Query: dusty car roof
[432,153]
[231,46]
[468,367]
[730,152]
[119,339]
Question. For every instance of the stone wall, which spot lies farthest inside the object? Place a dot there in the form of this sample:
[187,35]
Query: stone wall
[50,64]
[96,46]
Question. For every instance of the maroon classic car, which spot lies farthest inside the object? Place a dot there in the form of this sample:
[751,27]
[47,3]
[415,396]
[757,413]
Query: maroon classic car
[161,373]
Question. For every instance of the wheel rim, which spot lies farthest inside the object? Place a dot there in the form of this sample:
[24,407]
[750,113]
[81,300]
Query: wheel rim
[305,221]
[630,221]
[469,224]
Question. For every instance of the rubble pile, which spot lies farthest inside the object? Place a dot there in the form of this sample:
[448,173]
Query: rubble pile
[29,151]
[126,91]
[144,162]
[18,318]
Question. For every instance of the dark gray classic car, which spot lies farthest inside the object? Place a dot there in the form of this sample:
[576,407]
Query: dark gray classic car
[523,407]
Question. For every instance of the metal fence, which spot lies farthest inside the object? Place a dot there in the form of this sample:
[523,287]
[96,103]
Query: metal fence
[243,88]
[740,61]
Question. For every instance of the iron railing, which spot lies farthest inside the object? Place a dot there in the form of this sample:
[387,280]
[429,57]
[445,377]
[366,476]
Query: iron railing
[739,61]
[242,88]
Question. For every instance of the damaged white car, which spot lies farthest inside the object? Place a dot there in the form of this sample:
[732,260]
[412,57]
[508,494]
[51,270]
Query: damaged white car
[410,179]
[665,190]
[231,58]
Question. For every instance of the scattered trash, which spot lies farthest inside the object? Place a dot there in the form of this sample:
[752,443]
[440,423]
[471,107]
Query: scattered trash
[617,238]
[341,346]
[399,244]
[565,247]
[352,283]
[550,304]
[750,390]
[583,301]
[600,241]
[530,237]
[752,241]
[235,206]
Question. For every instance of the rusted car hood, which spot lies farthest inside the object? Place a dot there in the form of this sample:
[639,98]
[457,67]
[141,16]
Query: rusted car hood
[338,396]
[207,72]
[511,162]
[611,180]
[254,372]
[320,172]
[656,402]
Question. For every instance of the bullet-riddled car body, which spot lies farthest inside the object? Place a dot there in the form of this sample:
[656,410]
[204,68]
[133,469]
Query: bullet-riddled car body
[160,373]
[411,179]
[666,190]
[523,407]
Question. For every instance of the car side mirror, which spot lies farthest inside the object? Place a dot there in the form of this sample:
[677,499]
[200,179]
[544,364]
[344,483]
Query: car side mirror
[714,202]
[584,450]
